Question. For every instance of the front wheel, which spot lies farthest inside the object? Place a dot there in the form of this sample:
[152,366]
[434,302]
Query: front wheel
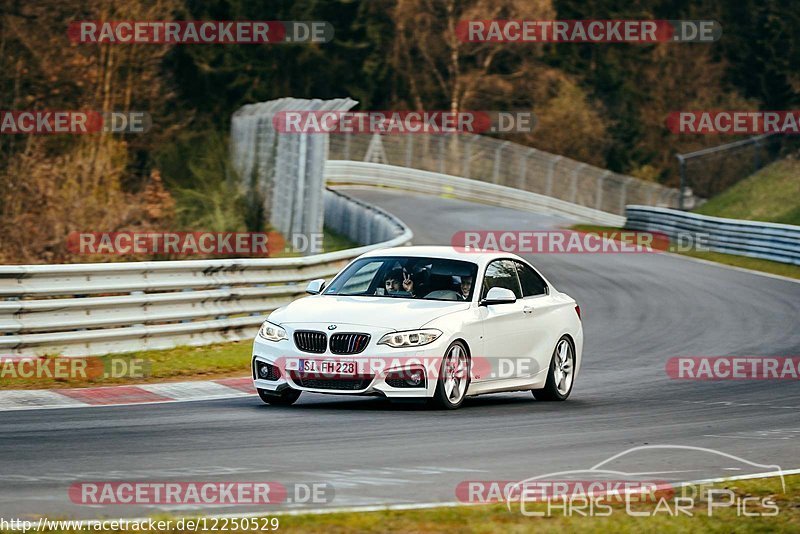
[287,397]
[453,381]
[560,375]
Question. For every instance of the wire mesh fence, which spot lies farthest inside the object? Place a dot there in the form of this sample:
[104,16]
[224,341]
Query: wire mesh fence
[505,163]
[283,173]
[710,171]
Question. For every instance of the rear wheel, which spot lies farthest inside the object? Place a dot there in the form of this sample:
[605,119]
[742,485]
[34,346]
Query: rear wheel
[560,375]
[451,387]
[287,397]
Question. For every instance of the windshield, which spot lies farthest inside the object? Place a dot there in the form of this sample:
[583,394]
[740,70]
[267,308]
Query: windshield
[407,277]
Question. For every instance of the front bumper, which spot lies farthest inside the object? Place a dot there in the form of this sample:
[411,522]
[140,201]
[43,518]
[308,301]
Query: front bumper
[375,363]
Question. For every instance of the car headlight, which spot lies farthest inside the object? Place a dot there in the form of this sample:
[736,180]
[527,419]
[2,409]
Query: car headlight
[272,332]
[410,338]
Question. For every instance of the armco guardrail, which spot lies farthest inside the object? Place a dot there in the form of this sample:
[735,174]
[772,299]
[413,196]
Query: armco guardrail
[87,309]
[343,172]
[497,161]
[777,242]
[68,309]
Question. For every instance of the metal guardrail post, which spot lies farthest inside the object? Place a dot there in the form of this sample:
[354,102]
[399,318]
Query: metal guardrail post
[497,154]
[756,154]
[551,169]
[409,150]
[466,166]
[522,180]
[598,199]
[347,145]
[682,188]
[651,196]
[299,204]
[623,194]
[441,154]
[574,185]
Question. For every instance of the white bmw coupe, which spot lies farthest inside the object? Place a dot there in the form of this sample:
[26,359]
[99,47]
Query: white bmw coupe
[423,322]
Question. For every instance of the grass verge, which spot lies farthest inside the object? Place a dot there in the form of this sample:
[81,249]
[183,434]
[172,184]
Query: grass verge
[745,262]
[181,363]
[497,518]
[772,195]
[763,496]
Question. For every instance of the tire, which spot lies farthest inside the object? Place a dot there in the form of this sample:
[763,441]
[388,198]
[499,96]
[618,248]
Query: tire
[560,375]
[454,378]
[287,397]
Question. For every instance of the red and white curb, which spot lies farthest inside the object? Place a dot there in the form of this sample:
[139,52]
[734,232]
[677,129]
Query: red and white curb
[38,399]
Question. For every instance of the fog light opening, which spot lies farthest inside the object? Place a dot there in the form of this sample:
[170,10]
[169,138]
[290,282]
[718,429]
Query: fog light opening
[414,378]
[406,378]
[266,371]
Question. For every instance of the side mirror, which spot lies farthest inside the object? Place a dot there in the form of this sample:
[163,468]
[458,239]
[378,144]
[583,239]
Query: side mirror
[499,295]
[315,287]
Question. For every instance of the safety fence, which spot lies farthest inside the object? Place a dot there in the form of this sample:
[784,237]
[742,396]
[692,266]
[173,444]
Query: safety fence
[770,241]
[711,170]
[282,173]
[89,309]
[341,173]
[500,162]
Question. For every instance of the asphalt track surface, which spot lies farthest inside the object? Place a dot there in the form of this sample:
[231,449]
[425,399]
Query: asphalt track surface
[639,310]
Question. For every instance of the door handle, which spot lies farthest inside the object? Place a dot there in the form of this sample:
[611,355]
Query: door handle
[527,309]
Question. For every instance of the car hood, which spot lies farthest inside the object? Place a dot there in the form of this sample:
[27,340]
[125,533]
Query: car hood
[379,312]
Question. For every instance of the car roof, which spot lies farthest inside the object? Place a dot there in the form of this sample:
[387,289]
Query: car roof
[451,253]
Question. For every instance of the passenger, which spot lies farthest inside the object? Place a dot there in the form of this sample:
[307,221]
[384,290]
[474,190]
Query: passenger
[392,282]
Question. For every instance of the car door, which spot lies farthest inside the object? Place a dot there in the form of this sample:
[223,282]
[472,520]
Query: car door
[505,340]
[541,318]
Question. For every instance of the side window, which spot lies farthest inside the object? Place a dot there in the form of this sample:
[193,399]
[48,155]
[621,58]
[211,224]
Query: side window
[532,283]
[501,273]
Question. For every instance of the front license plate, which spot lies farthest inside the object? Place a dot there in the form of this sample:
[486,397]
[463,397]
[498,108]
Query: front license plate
[328,367]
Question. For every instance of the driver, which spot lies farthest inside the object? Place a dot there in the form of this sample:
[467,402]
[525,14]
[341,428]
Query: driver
[466,286]
[408,283]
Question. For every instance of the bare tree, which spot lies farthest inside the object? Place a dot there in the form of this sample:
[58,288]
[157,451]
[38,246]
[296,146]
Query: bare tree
[442,70]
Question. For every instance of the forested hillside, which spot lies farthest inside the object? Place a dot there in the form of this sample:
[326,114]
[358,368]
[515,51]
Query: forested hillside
[600,103]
